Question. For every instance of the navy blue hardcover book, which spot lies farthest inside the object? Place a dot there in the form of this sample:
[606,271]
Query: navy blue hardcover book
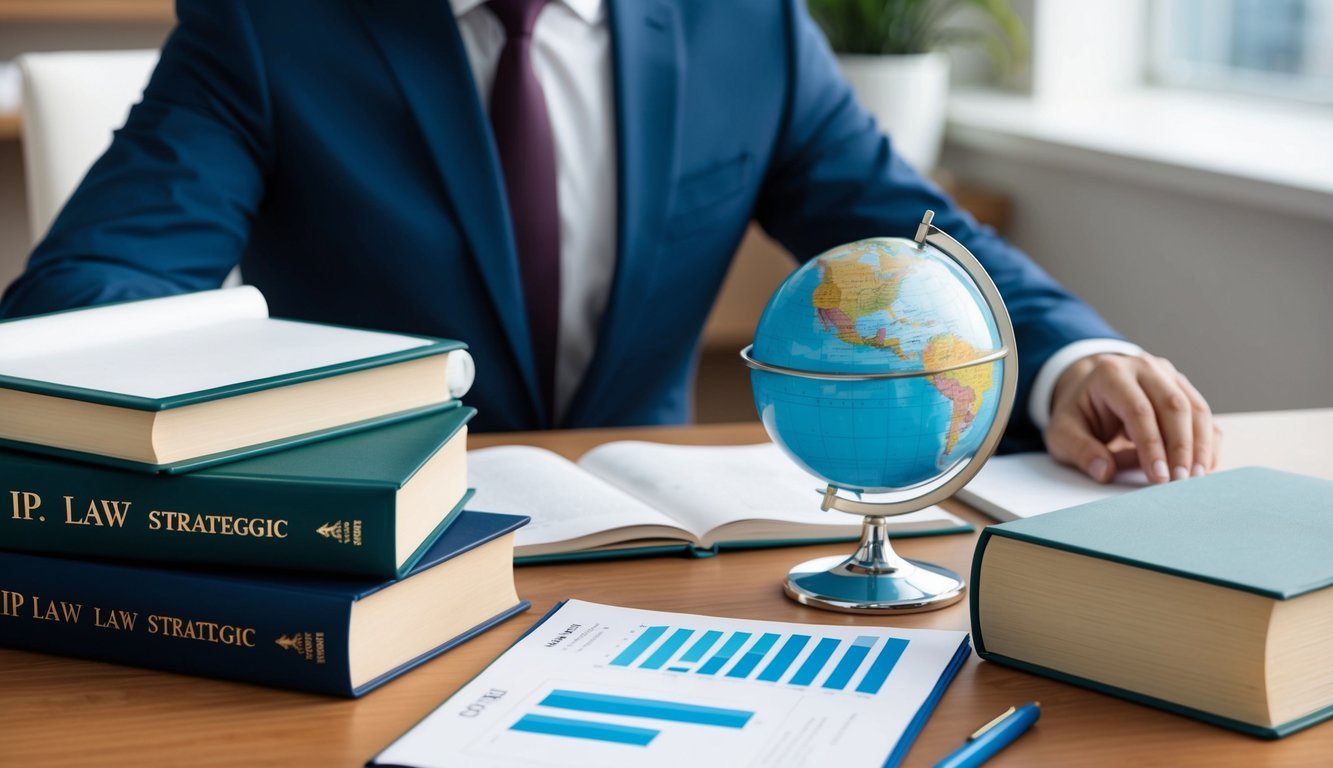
[335,635]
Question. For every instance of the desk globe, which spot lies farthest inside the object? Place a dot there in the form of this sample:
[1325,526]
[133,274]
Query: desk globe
[885,366]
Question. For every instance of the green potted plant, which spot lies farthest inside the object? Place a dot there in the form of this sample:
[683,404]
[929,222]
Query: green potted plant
[894,53]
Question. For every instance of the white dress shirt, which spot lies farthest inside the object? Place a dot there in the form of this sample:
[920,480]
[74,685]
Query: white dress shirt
[571,51]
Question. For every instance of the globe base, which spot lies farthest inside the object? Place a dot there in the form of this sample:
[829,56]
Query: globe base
[843,584]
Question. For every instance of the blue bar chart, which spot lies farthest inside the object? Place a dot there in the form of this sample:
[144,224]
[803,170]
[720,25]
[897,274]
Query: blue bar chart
[580,729]
[589,704]
[597,686]
[862,664]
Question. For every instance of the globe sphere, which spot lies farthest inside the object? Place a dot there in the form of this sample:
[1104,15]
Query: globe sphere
[877,366]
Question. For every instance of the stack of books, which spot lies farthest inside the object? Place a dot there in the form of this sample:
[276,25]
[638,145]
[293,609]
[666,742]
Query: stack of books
[193,486]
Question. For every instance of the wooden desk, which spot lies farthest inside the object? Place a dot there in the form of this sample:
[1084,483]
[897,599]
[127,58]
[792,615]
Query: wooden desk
[56,711]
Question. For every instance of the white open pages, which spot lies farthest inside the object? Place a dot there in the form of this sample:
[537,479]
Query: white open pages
[179,345]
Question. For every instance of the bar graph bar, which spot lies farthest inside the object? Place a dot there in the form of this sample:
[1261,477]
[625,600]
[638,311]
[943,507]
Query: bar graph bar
[850,662]
[686,650]
[882,666]
[701,646]
[636,648]
[729,648]
[753,656]
[668,649]
[633,706]
[815,662]
[786,655]
[583,729]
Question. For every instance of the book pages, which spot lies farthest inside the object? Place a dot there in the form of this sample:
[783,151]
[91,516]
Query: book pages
[64,332]
[706,487]
[1027,484]
[180,345]
[564,502]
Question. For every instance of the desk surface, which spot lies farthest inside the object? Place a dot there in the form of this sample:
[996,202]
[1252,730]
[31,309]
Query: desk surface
[61,711]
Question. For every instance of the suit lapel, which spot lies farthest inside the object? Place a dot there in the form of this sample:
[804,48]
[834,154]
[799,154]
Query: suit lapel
[421,44]
[646,61]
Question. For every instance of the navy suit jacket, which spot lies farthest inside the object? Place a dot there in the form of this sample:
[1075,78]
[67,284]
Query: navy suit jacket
[339,151]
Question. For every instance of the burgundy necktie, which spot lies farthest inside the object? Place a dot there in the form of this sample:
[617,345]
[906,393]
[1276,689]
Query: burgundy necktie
[527,154]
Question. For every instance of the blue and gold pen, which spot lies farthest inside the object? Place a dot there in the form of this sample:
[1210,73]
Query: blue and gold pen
[993,737]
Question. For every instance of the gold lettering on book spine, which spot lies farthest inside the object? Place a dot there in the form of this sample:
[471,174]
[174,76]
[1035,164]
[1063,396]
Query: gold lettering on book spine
[309,645]
[203,631]
[17,605]
[11,603]
[23,504]
[217,525]
[99,513]
[342,531]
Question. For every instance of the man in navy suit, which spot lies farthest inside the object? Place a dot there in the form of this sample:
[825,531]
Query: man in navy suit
[342,153]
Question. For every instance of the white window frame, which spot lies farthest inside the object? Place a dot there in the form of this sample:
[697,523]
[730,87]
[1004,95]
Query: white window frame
[1086,103]
[1167,72]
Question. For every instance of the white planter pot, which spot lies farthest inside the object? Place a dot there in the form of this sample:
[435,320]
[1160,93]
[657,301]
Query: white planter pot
[907,94]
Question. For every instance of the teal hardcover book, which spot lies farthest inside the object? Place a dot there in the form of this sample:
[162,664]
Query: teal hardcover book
[182,382]
[366,503]
[1209,597]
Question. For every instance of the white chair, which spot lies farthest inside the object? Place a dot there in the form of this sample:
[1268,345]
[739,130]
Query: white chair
[71,104]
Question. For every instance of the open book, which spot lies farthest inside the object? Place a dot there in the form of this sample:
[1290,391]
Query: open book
[635,497]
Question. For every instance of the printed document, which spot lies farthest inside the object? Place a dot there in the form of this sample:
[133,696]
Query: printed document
[597,685]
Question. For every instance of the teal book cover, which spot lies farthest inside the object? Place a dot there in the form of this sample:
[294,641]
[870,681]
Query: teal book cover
[1253,530]
[335,635]
[367,503]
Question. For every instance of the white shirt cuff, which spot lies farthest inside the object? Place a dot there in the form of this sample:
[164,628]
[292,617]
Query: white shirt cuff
[1039,404]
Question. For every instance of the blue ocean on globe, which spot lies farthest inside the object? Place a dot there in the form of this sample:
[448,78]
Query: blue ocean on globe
[878,306]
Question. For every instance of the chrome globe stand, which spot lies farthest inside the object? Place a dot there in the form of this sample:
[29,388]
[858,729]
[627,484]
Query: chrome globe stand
[875,579]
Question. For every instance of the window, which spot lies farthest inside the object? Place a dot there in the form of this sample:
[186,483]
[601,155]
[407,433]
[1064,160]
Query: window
[1281,48]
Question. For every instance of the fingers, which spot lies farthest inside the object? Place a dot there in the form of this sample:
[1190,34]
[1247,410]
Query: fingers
[1118,411]
[1117,387]
[1070,441]
[1176,419]
[1207,434]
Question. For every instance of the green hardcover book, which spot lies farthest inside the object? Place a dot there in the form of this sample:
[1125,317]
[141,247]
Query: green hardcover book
[1209,597]
[178,383]
[365,503]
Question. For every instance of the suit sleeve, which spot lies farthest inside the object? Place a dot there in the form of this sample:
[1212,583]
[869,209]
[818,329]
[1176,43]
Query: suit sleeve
[167,209]
[836,178]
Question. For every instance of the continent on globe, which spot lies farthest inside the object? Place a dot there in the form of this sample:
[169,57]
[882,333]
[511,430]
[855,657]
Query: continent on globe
[851,365]
[850,288]
[964,387]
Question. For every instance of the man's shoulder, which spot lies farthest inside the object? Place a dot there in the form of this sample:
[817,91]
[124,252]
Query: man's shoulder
[292,15]
[752,11]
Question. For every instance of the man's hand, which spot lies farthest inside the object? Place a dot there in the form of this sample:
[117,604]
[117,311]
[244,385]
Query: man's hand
[1111,412]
